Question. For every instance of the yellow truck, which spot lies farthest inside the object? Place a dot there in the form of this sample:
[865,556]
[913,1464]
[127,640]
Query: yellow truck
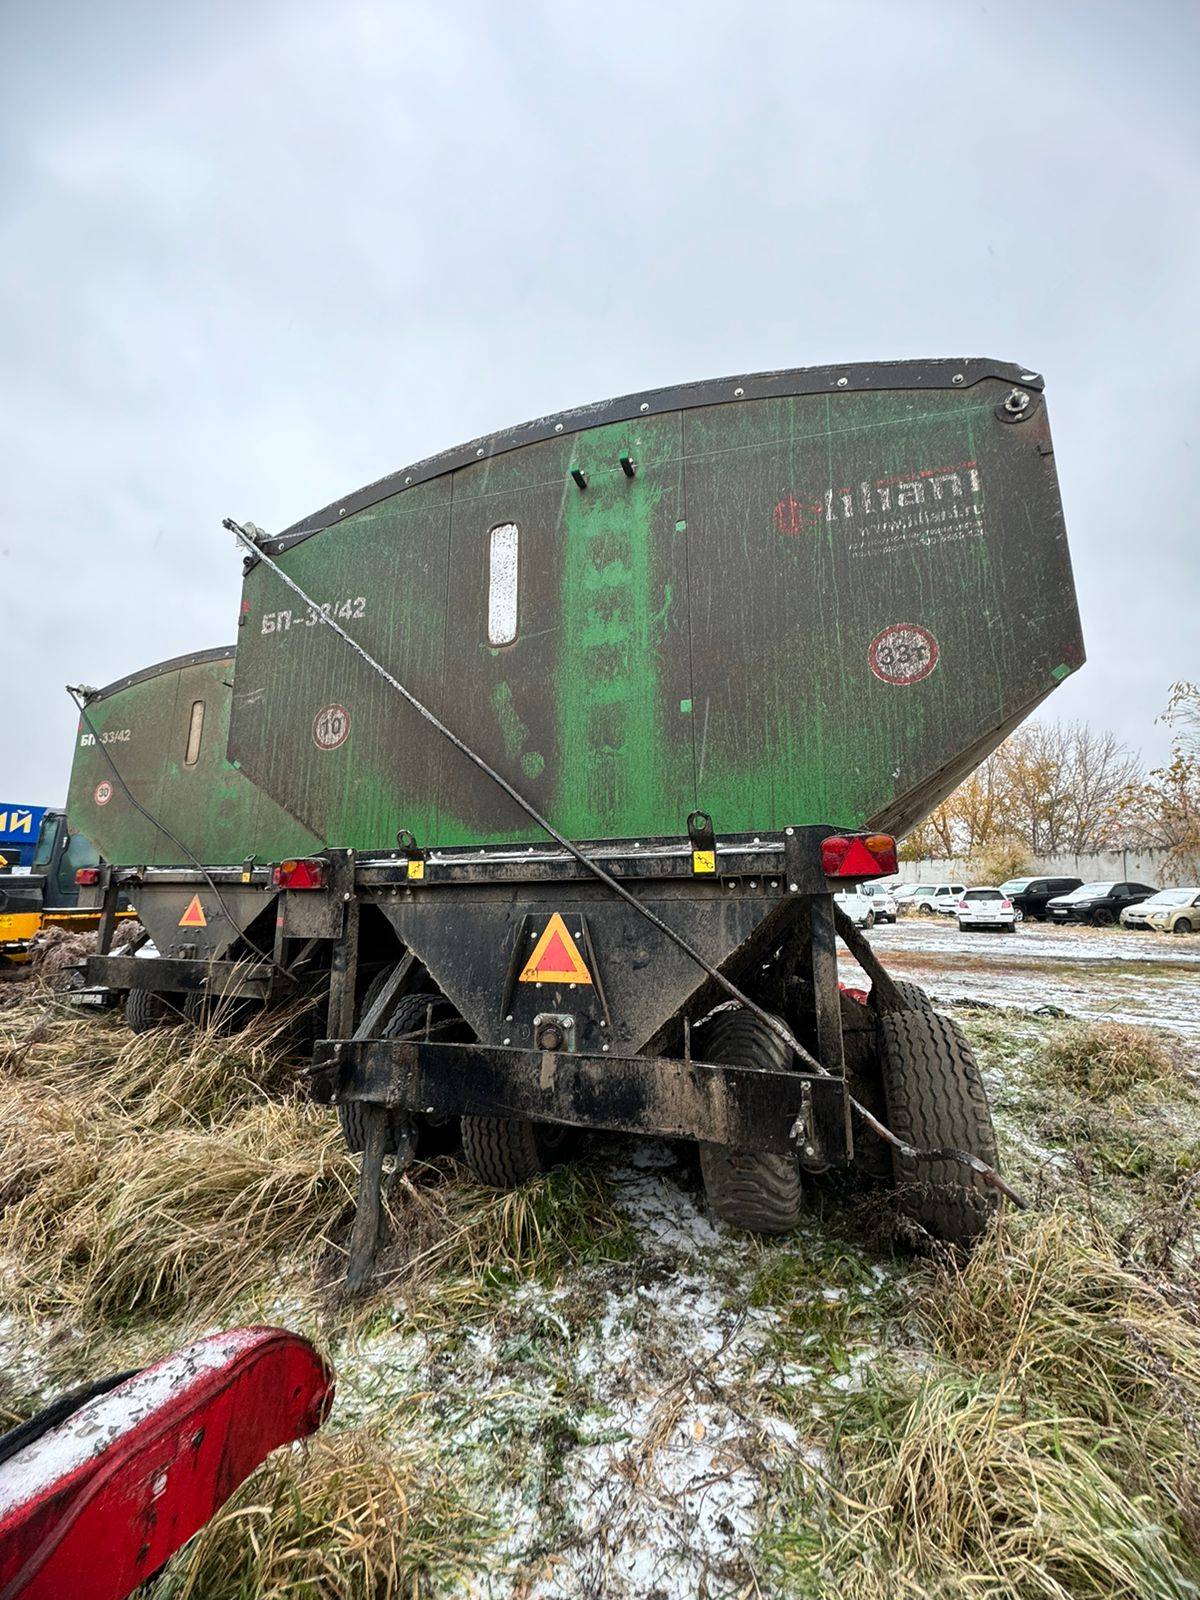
[38,888]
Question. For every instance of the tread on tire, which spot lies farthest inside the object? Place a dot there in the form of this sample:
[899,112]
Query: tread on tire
[504,1152]
[936,1099]
[864,1073]
[146,1009]
[915,998]
[754,1190]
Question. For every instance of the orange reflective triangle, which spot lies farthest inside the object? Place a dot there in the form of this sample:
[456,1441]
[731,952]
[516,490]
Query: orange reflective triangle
[194,916]
[556,957]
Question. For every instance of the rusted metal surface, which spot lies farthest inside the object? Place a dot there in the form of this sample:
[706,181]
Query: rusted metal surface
[745,1108]
[776,618]
[218,979]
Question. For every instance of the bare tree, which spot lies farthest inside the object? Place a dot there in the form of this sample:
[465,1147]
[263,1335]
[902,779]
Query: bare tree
[1165,807]
[1050,789]
[1183,714]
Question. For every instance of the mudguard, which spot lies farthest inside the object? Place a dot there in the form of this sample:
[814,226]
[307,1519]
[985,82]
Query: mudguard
[93,1505]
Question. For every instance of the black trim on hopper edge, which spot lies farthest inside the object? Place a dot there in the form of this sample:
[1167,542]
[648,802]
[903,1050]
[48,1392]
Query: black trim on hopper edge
[195,659]
[848,379]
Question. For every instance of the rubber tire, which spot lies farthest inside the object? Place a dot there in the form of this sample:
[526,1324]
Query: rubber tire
[406,1018]
[756,1191]
[935,1098]
[146,1009]
[870,921]
[1102,919]
[1182,925]
[873,1158]
[914,997]
[505,1152]
[202,1013]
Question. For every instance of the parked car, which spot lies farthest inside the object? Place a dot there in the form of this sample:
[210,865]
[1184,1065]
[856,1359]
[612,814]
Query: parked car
[1098,903]
[1030,896]
[985,908]
[883,901]
[857,906]
[1170,910]
[928,896]
[942,897]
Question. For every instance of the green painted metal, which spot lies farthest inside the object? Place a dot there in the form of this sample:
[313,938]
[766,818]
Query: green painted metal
[805,608]
[143,723]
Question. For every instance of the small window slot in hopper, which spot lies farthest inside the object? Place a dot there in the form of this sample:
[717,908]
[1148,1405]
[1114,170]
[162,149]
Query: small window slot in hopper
[502,584]
[195,733]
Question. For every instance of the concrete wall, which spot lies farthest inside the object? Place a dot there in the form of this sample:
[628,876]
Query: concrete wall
[1131,866]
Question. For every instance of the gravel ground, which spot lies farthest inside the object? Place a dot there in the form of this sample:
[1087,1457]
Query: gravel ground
[1122,975]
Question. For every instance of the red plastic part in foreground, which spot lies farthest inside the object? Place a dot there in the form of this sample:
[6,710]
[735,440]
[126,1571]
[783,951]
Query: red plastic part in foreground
[94,1507]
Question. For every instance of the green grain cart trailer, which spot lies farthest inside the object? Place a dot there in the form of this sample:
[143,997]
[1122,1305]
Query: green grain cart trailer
[152,786]
[701,651]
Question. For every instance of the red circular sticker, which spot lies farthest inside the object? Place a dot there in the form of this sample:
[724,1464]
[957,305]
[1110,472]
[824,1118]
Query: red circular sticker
[331,727]
[904,653]
[103,793]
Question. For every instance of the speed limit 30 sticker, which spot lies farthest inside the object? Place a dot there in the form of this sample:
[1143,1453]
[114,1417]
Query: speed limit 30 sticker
[903,654]
[103,793]
[331,727]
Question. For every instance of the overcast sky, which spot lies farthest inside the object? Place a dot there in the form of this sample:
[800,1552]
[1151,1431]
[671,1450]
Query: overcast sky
[254,255]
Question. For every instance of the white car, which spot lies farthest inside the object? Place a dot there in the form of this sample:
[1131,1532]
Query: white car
[1170,910]
[936,897]
[883,901]
[857,907]
[985,908]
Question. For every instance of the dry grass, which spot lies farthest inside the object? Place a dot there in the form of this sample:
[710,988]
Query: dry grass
[1102,1059]
[473,1242]
[362,1513]
[140,1171]
[144,1174]
[1050,1304]
[160,1077]
[961,1485]
[108,1220]
[1046,1447]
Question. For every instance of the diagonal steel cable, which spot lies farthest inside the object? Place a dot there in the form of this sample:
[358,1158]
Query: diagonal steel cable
[778,1027]
[80,696]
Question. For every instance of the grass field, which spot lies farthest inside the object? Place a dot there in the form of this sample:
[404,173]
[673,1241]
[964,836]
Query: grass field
[589,1388]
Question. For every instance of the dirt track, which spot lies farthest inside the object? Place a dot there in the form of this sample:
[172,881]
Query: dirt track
[1118,974]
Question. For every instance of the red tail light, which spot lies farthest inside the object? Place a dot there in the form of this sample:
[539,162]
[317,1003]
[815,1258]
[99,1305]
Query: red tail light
[305,874]
[1006,905]
[858,855]
[86,877]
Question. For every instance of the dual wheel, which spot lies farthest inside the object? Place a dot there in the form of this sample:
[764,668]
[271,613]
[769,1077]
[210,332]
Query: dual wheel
[147,1009]
[916,1071]
[920,1078]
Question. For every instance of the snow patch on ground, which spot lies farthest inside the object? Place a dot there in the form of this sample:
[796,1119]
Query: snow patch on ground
[625,1427]
[1092,973]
